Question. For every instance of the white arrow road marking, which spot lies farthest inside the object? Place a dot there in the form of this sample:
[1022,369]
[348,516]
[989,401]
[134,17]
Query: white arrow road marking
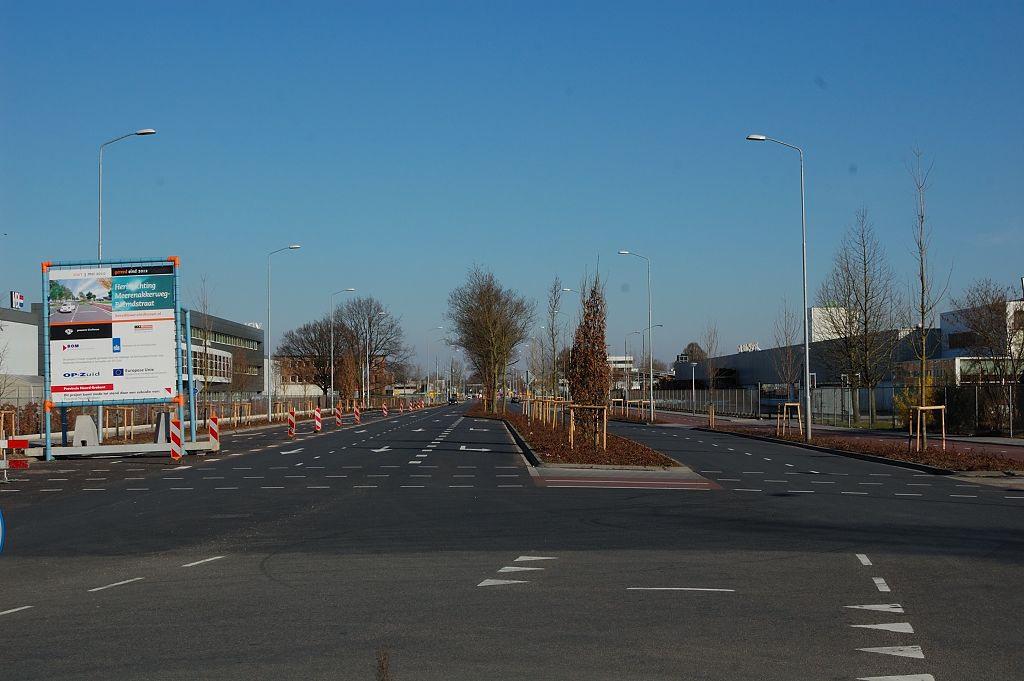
[418,430]
[901,677]
[522,559]
[293,451]
[898,651]
[884,607]
[464,448]
[382,449]
[516,568]
[500,582]
[898,627]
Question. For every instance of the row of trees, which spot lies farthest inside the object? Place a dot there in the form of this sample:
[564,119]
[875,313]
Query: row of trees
[363,331]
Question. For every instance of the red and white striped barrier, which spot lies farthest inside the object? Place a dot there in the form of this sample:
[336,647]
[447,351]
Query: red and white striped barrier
[384,408]
[13,444]
[401,407]
[337,415]
[214,426]
[291,422]
[355,413]
[318,423]
[175,439]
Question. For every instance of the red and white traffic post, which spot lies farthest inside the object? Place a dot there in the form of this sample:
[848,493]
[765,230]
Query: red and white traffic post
[337,415]
[214,427]
[12,463]
[291,422]
[384,408]
[318,423]
[175,439]
[355,413]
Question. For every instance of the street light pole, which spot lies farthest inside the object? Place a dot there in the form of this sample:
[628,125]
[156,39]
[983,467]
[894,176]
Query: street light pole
[649,327]
[99,239]
[266,340]
[803,234]
[693,388]
[436,328]
[331,322]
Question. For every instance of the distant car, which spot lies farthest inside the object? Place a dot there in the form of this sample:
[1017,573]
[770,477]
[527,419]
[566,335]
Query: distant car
[515,399]
[453,400]
[67,307]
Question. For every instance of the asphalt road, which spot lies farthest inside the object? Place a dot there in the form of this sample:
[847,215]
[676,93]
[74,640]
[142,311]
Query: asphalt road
[427,535]
[84,312]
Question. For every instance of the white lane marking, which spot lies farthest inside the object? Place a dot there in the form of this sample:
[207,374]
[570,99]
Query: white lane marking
[863,558]
[881,475]
[335,476]
[318,486]
[525,559]
[744,489]
[111,586]
[293,451]
[460,486]
[870,483]
[965,496]
[412,486]
[501,582]
[790,465]
[224,488]
[200,562]
[899,651]
[674,588]
[906,494]
[252,477]
[881,585]
[898,677]
[58,489]
[898,627]
[271,487]
[823,482]
[853,493]
[753,472]
[711,471]
[799,491]
[881,607]
[365,486]
[416,461]
[182,489]
[919,484]
[13,610]
[180,468]
[509,485]
[518,568]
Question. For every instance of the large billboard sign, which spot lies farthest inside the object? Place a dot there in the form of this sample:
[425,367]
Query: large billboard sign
[113,333]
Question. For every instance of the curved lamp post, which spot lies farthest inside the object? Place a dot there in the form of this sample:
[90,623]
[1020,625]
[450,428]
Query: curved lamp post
[649,327]
[270,350]
[803,232]
[99,240]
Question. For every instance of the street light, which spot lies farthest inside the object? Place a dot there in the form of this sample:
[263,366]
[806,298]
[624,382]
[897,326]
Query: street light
[333,312]
[629,378]
[270,351]
[649,328]
[99,240]
[693,388]
[803,233]
[429,332]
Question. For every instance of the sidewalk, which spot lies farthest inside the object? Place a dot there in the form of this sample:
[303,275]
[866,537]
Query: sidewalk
[1012,448]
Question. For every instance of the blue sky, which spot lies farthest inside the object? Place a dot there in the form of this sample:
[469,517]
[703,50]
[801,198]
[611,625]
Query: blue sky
[402,142]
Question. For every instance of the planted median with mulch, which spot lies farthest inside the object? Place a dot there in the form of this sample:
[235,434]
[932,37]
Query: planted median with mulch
[551,445]
[955,457]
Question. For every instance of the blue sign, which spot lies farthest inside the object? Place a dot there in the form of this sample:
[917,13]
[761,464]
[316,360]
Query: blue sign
[119,372]
[1,532]
[116,344]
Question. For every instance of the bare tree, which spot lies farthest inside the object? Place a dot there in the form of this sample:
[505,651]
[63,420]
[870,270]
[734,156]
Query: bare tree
[991,327]
[374,336]
[5,378]
[859,306]
[786,356]
[553,330]
[306,352]
[488,322]
[710,342]
[589,375]
[926,296]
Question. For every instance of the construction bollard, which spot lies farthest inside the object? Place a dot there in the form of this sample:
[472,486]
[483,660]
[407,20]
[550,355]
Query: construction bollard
[214,424]
[355,413]
[291,422]
[175,439]
[318,424]
[337,415]
[384,408]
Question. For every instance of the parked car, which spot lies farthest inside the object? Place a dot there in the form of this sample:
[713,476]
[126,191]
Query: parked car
[453,400]
[515,399]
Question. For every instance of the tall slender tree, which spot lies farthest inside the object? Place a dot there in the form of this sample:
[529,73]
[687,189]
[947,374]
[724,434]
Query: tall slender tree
[589,374]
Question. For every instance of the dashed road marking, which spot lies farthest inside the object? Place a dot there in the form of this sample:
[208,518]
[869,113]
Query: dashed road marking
[111,586]
[881,585]
[863,558]
[14,610]
[200,562]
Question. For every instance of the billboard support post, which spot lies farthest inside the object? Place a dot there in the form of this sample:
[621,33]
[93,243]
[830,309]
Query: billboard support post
[48,451]
[191,375]
[177,340]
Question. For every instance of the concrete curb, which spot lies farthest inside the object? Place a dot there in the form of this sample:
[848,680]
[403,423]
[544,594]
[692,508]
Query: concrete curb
[839,452]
